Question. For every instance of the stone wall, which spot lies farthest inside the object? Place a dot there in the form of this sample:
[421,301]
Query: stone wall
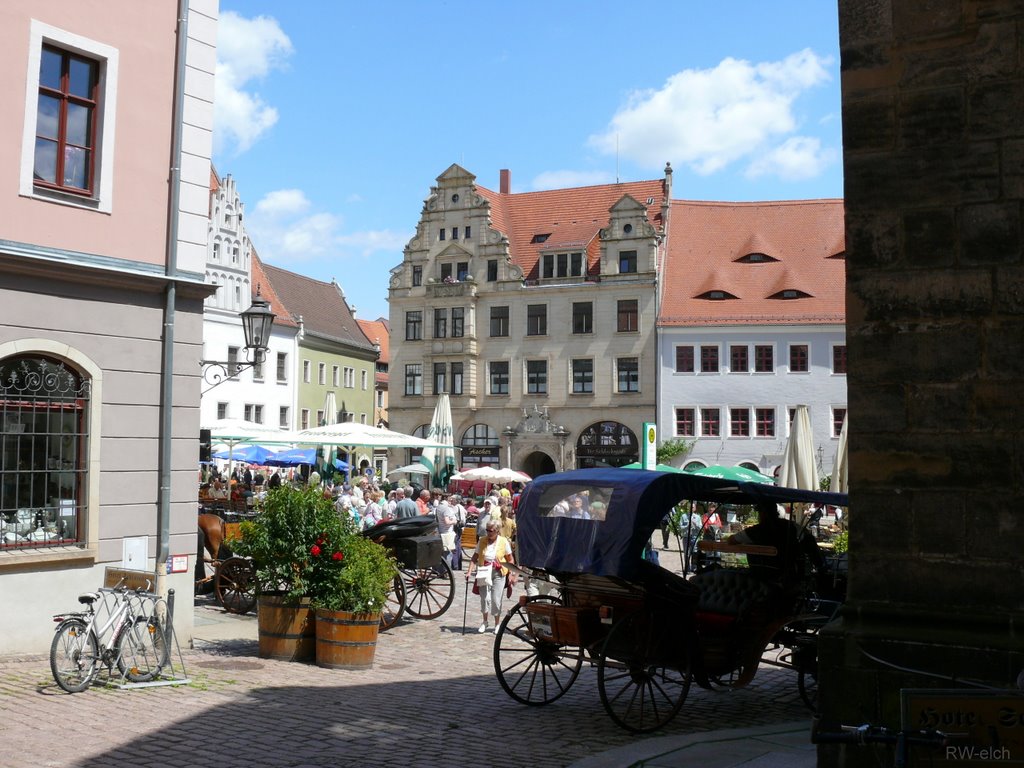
[933,97]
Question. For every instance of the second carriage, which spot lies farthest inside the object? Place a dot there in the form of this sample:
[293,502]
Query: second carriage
[424,585]
[649,632]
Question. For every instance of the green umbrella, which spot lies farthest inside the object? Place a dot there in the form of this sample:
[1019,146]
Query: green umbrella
[657,467]
[736,474]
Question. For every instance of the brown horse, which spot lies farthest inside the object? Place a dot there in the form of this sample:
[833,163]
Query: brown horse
[211,527]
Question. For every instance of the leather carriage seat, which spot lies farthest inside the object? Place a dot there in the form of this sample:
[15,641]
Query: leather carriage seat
[728,596]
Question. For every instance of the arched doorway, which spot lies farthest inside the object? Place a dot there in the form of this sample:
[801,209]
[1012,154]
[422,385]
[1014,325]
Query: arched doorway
[606,444]
[537,464]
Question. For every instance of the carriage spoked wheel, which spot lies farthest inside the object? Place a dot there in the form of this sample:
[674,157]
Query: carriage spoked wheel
[235,584]
[531,669]
[428,591]
[805,661]
[394,604]
[639,689]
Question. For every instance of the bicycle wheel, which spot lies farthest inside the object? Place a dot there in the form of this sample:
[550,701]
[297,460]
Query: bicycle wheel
[531,669]
[73,656]
[394,604]
[141,649]
[639,689]
[235,585]
[429,592]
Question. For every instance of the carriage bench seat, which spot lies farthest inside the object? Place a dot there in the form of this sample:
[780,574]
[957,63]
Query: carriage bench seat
[729,597]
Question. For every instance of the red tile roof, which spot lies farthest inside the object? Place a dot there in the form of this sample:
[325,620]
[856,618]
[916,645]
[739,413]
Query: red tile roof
[378,331]
[706,240]
[321,306]
[571,217]
[261,284]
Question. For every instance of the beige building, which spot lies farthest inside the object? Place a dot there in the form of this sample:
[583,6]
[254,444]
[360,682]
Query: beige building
[536,312]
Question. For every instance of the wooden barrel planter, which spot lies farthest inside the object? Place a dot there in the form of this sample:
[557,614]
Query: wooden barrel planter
[346,640]
[287,631]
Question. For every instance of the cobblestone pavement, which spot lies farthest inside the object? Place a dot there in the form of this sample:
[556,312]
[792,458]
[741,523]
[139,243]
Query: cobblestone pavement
[431,699]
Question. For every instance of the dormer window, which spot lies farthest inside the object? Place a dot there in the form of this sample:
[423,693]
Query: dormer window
[561,265]
[790,293]
[755,258]
[627,229]
[540,238]
[840,255]
[716,295]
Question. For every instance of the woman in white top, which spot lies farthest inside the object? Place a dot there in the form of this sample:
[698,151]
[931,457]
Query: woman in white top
[489,568]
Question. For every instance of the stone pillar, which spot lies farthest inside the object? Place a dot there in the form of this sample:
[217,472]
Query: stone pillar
[933,99]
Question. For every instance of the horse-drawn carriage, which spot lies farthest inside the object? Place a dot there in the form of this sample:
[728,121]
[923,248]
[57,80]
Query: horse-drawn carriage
[650,632]
[424,585]
[232,579]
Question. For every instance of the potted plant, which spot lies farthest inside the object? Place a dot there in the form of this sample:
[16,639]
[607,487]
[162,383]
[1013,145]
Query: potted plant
[278,541]
[350,582]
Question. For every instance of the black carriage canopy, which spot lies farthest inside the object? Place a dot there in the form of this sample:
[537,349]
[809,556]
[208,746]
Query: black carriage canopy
[597,521]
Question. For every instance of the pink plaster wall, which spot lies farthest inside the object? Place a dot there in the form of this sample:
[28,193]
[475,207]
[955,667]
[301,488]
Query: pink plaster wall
[144,34]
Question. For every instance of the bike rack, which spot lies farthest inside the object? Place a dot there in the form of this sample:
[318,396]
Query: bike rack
[173,673]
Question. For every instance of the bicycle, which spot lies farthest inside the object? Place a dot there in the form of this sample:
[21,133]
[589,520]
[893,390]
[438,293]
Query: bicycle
[902,740]
[118,631]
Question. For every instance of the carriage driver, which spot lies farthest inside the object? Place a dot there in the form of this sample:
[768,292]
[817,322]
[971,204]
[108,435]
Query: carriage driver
[792,545]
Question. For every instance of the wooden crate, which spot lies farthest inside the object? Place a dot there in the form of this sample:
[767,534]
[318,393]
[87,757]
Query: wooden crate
[564,625]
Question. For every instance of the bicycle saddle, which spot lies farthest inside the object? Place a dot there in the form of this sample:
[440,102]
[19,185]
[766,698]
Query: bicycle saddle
[88,598]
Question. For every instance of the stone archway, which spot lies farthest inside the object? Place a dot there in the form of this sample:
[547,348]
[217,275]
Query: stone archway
[537,463]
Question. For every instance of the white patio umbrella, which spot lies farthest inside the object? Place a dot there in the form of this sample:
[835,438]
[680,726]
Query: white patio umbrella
[798,468]
[331,417]
[840,470]
[351,435]
[493,475]
[440,461]
[410,469]
[237,432]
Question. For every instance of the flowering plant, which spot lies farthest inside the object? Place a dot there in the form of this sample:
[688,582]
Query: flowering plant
[278,540]
[351,574]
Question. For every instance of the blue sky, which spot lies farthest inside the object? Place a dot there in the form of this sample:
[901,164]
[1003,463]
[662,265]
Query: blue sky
[335,118]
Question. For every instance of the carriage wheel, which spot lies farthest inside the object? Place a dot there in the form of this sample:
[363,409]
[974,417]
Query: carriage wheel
[531,670]
[394,604]
[639,691]
[429,591]
[806,663]
[235,585]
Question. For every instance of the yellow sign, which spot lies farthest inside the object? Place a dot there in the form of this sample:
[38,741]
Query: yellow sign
[986,727]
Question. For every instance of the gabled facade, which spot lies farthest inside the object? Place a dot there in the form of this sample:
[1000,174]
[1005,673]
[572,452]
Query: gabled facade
[104,201]
[536,313]
[752,324]
[378,332]
[266,393]
[333,356]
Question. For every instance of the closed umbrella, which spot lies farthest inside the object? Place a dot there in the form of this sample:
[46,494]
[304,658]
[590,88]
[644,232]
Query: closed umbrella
[840,470]
[440,460]
[798,464]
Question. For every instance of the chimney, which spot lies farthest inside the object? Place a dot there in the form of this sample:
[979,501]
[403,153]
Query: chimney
[506,181]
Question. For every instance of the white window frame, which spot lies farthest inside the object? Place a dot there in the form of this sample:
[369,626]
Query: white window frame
[365,378]
[321,374]
[639,378]
[107,58]
[789,357]
[335,373]
[307,372]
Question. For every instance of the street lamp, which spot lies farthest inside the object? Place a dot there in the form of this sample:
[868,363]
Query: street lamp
[510,433]
[257,322]
[561,433]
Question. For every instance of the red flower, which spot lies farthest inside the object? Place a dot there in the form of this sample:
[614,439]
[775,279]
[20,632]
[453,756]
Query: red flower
[314,550]
[338,556]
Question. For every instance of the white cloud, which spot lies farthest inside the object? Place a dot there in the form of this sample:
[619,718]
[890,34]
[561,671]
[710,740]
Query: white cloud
[247,49]
[283,202]
[285,228]
[707,119]
[566,179]
[797,158]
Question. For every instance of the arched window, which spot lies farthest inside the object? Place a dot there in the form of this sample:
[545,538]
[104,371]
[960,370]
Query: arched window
[44,426]
[480,434]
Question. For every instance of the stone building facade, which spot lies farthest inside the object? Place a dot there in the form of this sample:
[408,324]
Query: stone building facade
[536,313]
[934,144]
